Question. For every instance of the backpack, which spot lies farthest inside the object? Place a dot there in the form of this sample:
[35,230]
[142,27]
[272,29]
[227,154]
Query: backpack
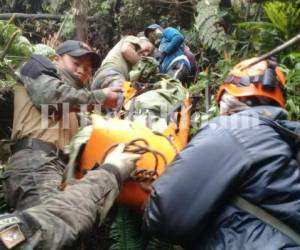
[192,59]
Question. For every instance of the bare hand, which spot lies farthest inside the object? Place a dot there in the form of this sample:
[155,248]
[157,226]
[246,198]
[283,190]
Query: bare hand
[112,94]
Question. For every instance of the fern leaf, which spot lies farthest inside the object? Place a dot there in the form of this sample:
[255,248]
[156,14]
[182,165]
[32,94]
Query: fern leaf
[285,15]
[208,25]
[125,230]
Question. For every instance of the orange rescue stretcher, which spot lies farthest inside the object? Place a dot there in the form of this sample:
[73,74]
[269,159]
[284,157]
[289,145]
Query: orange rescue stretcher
[163,147]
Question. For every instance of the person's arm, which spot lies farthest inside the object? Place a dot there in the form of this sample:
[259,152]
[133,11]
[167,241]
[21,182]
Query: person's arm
[171,40]
[44,86]
[61,220]
[200,180]
[130,50]
[66,216]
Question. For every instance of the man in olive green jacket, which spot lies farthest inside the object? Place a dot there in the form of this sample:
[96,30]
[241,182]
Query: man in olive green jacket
[46,101]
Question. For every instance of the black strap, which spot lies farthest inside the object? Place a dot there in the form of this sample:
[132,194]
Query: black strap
[36,144]
[280,129]
[288,136]
[171,114]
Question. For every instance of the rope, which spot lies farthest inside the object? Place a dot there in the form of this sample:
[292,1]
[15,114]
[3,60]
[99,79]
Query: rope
[143,176]
[168,139]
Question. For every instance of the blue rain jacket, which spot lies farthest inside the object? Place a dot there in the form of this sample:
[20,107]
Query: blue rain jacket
[171,46]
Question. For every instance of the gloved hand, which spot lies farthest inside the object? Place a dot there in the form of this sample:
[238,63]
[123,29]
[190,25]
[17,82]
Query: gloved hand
[112,95]
[124,162]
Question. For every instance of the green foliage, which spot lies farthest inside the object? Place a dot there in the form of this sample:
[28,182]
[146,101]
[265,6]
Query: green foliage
[254,38]
[245,9]
[292,84]
[224,32]
[20,45]
[209,28]
[285,15]
[208,80]
[102,6]
[7,75]
[43,49]
[258,37]
[125,230]
[67,28]
[103,33]
[192,40]
[134,15]
[14,50]
[126,233]
[55,6]
[293,90]
[130,12]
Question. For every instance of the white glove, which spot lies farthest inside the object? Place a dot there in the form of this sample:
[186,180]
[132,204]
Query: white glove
[124,162]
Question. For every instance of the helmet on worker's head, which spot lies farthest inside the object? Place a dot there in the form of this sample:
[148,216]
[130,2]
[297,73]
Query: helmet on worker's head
[261,80]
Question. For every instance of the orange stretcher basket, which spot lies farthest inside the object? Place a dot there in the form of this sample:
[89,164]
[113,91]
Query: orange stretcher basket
[108,132]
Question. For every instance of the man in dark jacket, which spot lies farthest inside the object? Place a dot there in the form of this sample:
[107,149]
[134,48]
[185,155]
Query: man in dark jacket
[241,157]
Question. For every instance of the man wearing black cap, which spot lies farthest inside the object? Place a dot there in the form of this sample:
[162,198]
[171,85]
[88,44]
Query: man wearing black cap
[47,98]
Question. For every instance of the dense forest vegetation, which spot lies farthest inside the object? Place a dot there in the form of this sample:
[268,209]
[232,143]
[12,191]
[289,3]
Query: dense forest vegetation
[220,32]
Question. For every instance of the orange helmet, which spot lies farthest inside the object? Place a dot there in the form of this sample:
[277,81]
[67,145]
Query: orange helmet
[263,79]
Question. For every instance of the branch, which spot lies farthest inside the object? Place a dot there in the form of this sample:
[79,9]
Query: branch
[7,16]
[274,51]
[9,44]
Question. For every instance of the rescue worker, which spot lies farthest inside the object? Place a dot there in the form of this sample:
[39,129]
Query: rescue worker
[46,100]
[63,220]
[237,183]
[119,61]
[174,56]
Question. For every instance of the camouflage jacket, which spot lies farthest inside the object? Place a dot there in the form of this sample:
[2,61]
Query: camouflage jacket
[48,84]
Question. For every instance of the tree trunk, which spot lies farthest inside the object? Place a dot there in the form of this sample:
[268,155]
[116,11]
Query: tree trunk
[81,20]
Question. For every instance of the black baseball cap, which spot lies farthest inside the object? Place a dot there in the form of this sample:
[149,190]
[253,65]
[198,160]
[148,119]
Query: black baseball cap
[76,49]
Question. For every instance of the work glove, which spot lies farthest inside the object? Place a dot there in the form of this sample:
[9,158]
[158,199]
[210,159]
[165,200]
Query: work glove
[123,162]
[112,94]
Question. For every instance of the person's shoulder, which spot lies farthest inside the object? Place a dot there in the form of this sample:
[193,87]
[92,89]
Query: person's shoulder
[132,39]
[37,65]
[171,30]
